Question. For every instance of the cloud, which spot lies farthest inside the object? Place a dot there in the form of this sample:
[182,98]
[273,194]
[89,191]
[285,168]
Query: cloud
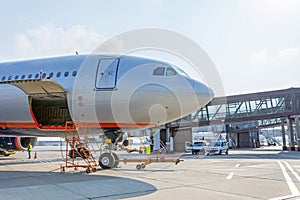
[283,56]
[259,57]
[49,40]
[280,70]
[289,53]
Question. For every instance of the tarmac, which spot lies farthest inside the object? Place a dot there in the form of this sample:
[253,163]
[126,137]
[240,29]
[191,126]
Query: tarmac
[265,173]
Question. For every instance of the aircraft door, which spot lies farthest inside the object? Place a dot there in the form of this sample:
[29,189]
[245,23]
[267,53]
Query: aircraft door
[107,73]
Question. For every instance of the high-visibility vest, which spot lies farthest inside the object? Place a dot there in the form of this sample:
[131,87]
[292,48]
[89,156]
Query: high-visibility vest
[29,148]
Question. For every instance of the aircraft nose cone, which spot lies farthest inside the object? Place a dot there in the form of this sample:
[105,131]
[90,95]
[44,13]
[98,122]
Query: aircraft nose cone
[204,93]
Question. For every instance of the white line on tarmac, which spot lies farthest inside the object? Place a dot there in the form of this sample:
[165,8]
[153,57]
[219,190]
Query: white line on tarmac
[292,170]
[230,175]
[288,180]
[290,183]
[285,197]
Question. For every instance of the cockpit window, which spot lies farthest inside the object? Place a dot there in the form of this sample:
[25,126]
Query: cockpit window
[159,71]
[180,71]
[171,72]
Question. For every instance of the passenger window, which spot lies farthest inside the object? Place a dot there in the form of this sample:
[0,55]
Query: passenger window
[159,71]
[23,77]
[9,78]
[3,78]
[30,76]
[50,75]
[74,73]
[36,76]
[171,72]
[16,77]
[58,74]
[44,75]
[66,74]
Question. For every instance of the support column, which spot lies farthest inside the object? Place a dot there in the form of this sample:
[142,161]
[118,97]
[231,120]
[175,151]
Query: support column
[168,140]
[292,141]
[167,134]
[284,147]
[156,140]
[297,131]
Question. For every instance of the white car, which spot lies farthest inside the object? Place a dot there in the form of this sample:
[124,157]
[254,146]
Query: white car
[198,147]
[217,147]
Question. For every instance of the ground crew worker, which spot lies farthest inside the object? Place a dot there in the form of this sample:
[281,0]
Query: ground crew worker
[29,149]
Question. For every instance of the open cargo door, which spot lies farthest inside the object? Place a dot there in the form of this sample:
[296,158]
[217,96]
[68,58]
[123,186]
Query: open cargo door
[47,102]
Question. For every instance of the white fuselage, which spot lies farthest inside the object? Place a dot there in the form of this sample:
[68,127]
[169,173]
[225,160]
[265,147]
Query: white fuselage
[100,91]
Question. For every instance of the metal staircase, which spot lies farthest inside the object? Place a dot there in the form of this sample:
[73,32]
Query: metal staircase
[76,139]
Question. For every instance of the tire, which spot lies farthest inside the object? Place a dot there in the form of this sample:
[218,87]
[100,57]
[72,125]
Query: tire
[106,161]
[138,167]
[72,153]
[117,160]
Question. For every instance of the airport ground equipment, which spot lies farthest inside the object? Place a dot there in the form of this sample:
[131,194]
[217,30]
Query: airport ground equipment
[5,152]
[143,162]
[77,146]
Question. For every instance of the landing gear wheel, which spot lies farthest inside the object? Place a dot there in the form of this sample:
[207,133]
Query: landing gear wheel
[88,170]
[138,167]
[117,160]
[106,161]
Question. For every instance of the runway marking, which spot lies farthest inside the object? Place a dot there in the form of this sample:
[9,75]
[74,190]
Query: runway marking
[292,170]
[230,175]
[288,179]
[285,197]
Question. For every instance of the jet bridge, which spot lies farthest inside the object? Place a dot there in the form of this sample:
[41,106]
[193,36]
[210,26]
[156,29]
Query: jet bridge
[266,109]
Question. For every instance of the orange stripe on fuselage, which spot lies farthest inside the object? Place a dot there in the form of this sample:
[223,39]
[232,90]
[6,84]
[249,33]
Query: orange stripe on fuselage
[34,119]
[17,125]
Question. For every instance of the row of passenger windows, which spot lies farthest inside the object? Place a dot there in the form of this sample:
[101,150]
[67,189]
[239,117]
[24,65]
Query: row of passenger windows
[38,75]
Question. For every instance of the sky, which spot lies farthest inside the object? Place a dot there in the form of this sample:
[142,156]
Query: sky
[254,44]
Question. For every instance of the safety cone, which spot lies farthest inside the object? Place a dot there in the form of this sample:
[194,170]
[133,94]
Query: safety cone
[35,155]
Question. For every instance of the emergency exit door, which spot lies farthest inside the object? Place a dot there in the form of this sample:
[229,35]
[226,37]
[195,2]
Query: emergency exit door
[107,73]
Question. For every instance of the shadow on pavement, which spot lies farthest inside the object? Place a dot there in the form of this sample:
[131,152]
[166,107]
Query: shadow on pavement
[56,185]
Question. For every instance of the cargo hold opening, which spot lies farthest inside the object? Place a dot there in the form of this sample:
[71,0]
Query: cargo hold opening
[49,112]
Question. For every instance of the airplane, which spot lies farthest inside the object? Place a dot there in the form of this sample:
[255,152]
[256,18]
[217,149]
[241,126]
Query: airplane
[109,94]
